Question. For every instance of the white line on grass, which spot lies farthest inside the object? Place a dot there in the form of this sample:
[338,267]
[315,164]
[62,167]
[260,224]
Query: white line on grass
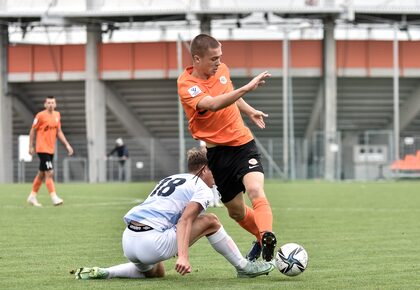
[357,209]
[86,204]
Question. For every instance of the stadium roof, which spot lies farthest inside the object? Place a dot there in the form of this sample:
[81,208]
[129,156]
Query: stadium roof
[160,20]
[81,11]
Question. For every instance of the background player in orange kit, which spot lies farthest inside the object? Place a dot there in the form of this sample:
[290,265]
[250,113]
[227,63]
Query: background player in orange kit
[46,127]
[213,108]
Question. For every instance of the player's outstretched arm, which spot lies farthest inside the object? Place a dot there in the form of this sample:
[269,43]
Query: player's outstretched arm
[63,140]
[219,102]
[257,81]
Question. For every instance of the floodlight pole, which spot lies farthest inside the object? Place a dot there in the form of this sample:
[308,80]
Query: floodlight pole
[6,126]
[181,135]
[285,103]
[396,87]
[95,107]
[292,155]
[330,92]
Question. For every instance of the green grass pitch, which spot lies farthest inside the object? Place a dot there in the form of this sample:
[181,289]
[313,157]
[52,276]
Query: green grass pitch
[358,236]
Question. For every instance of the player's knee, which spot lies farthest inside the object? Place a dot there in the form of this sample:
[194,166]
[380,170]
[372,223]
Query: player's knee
[213,221]
[154,274]
[237,215]
[255,190]
[49,174]
[158,271]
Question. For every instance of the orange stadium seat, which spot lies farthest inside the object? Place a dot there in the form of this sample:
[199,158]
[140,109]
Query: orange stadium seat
[396,165]
[410,162]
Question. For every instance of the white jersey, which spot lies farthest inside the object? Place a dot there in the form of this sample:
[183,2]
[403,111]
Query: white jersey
[166,203]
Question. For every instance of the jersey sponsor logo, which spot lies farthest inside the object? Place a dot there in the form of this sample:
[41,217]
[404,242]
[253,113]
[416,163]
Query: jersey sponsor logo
[223,80]
[50,128]
[35,121]
[194,91]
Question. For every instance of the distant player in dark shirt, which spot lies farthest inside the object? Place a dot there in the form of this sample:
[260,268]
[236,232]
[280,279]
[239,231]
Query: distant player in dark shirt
[122,153]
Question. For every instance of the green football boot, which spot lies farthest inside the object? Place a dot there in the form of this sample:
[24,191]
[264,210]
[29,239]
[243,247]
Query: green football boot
[255,269]
[91,273]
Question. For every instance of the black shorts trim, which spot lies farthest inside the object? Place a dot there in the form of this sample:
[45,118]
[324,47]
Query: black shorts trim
[229,164]
[138,229]
[45,161]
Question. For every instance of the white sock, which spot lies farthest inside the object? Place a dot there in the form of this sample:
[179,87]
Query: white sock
[127,270]
[223,244]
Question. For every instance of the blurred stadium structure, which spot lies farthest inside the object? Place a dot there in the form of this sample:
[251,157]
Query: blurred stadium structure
[343,103]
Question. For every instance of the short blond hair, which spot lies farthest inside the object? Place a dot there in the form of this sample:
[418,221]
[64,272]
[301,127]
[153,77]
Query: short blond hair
[202,43]
[196,159]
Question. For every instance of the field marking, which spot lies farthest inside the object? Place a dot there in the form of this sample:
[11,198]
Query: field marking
[135,201]
[98,204]
[87,197]
[130,201]
[356,209]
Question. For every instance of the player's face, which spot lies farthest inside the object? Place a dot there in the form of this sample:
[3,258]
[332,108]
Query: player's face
[207,177]
[209,62]
[50,104]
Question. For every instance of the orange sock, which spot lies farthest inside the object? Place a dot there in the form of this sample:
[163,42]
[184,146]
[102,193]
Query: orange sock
[248,223]
[36,184]
[49,182]
[262,214]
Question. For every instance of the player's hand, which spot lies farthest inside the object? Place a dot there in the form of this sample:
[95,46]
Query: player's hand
[257,117]
[182,266]
[258,81]
[69,150]
[31,151]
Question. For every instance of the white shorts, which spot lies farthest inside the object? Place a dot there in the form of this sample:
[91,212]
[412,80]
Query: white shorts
[145,249]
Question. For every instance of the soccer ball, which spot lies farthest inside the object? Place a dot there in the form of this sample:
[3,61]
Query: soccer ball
[291,259]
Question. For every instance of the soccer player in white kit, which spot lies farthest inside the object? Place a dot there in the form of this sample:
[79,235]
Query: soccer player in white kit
[169,221]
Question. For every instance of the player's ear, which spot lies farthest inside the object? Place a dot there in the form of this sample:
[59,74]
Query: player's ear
[207,170]
[196,58]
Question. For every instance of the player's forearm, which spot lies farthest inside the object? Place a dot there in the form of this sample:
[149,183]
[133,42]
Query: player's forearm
[62,138]
[31,138]
[183,237]
[244,107]
[221,101]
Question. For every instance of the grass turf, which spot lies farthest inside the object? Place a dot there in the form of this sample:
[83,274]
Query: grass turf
[358,236]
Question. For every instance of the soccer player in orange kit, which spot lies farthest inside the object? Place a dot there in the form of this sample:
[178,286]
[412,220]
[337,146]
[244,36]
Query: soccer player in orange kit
[213,108]
[46,127]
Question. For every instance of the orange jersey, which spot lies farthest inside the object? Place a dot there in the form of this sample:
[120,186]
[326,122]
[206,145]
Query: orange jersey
[223,127]
[46,126]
